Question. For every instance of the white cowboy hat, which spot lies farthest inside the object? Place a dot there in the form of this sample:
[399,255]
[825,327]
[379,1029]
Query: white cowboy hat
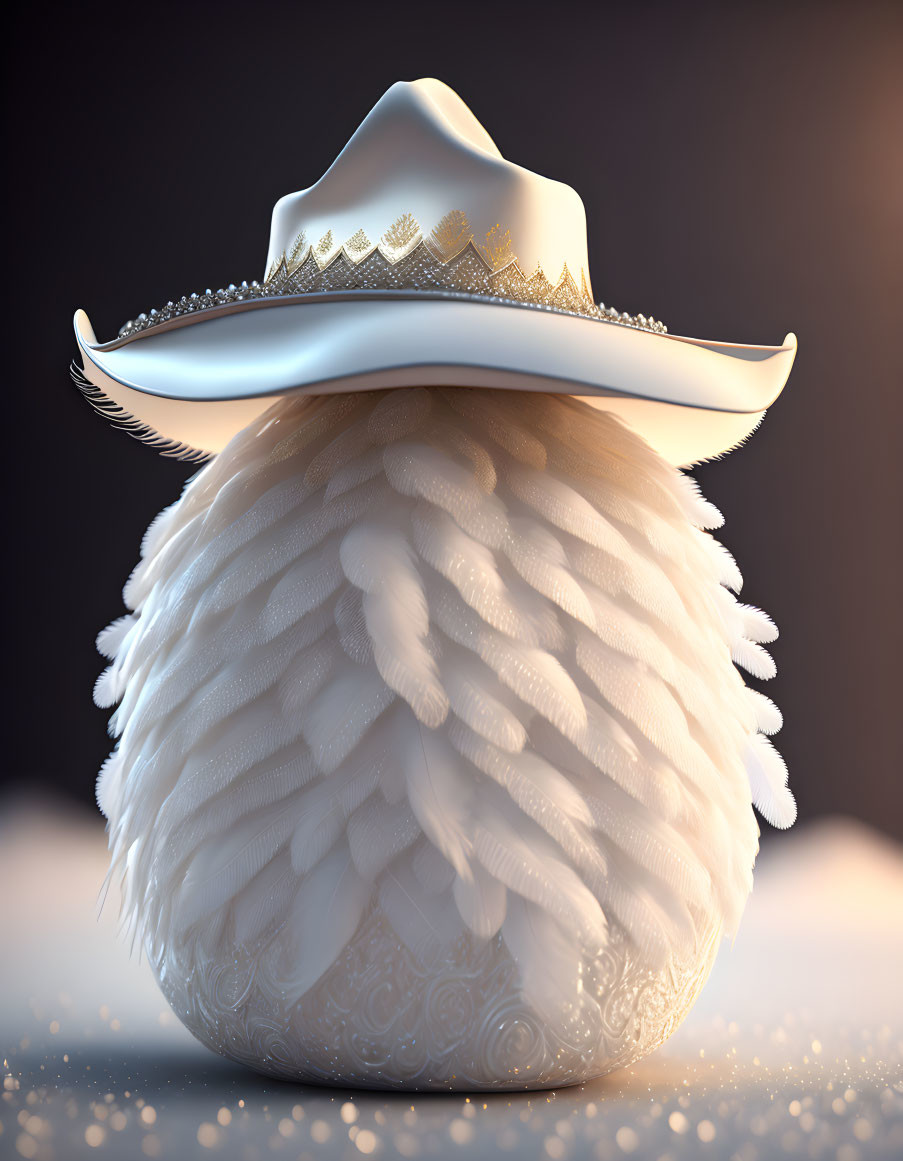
[477,276]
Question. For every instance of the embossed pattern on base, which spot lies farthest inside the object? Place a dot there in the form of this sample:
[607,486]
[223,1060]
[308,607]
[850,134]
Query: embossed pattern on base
[380,1019]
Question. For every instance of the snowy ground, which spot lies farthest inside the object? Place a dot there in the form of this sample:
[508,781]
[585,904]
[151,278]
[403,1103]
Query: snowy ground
[794,1048]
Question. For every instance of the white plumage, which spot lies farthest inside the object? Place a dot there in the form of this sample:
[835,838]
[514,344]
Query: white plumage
[434,766]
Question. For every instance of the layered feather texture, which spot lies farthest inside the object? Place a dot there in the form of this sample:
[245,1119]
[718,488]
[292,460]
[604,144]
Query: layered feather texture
[460,660]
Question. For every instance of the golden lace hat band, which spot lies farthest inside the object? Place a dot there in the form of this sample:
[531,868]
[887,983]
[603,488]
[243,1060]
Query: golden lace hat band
[446,263]
[438,298]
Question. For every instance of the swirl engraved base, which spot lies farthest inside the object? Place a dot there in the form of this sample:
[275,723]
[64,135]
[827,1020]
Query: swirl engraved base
[382,1018]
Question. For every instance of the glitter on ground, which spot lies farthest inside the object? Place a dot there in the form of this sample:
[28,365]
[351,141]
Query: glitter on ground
[794,1049]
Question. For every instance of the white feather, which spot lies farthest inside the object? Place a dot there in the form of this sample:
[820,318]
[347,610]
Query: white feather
[399,414]
[481,901]
[109,785]
[378,832]
[358,472]
[225,864]
[550,961]
[566,509]
[520,443]
[768,781]
[324,810]
[347,447]
[540,559]
[758,626]
[768,717]
[380,562]
[537,677]
[524,860]
[640,579]
[699,510]
[472,569]
[324,915]
[754,659]
[422,471]
[439,794]
[264,904]
[110,640]
[352,626]
[304,586]
[341,713]
[427,922]
[188,820]
[464,445]
[305,676]
[403,660]
[432,871]
[477,697]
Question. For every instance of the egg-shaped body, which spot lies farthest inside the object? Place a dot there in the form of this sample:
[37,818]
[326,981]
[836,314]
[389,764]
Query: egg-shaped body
[434,767]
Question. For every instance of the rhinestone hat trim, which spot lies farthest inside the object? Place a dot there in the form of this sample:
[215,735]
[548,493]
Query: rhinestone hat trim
[447,264]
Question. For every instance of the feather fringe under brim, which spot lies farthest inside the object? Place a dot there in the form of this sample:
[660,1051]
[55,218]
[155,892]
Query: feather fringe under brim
[121,418]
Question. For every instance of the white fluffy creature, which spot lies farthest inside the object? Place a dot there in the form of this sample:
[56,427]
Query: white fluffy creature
[434,767]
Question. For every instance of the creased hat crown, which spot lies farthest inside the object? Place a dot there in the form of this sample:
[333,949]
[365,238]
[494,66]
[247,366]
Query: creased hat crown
[421,162]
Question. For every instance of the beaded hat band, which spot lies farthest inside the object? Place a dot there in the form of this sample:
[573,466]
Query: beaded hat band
[447,263]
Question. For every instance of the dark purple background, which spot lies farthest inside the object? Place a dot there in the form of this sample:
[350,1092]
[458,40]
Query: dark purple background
[742,169]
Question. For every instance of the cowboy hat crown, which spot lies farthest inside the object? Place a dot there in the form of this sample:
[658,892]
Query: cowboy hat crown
[421,154]
[422,257]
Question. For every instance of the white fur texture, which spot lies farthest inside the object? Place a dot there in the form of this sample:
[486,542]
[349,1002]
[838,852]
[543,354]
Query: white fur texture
[435,689]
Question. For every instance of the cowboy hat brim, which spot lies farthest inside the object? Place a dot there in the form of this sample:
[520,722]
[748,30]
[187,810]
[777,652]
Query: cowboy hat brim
[192,383]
